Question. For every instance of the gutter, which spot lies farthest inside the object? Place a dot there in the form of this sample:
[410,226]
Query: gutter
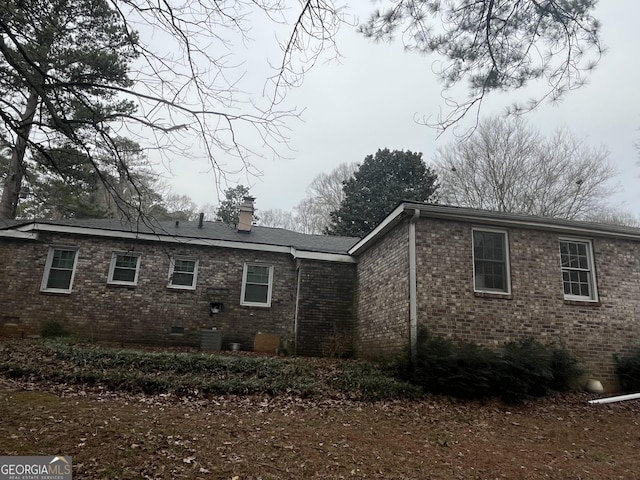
[413,287]
[30,231]
[18,234]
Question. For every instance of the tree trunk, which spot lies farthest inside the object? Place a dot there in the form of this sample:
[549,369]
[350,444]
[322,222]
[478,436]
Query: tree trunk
[13,182]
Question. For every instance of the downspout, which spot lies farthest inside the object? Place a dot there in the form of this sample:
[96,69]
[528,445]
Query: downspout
[295,316]
[413,287]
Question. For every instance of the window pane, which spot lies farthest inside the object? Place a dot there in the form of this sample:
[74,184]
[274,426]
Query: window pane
[61,269]
[126,261]
[63,259]
[489,246]
[489,249]
[257,274]
[185,279]
[576,270]
[59,279]
[124,275]
[184,266]
[256,293]
[125,268]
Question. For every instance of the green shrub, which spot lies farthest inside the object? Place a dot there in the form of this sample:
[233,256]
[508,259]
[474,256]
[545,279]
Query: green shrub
[628,370]
[520,370]
[53,329]
[565,367]
[369,381]
[524,370]
[462,370]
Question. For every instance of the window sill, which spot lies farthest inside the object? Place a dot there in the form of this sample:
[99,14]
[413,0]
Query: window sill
[181,287]
[130,286]
[501,296]
[255,305]
[583,303]
[56,292]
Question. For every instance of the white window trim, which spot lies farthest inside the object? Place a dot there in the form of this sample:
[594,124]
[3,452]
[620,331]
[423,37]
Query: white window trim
[507,261]
[195,273]
[244,283]
[592,270]
[47,269]
[112,267]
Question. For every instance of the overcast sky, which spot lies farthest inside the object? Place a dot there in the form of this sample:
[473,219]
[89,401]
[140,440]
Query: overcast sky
[372,98]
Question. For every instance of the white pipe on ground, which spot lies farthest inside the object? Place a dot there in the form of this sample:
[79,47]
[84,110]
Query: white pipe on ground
[619,398]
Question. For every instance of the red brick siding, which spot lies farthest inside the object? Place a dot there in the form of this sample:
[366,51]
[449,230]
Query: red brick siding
[536,307]
[144,313]
[326,308]
[383,296]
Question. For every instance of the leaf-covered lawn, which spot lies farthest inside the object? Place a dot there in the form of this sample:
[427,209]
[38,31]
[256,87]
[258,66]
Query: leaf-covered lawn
[119,434]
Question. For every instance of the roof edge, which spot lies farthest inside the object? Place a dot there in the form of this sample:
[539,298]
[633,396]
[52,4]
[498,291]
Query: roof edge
[31,231]
[487,217]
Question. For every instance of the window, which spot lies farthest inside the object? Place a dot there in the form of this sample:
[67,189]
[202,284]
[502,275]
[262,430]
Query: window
[59,270]
[578,279]
[183,273]
[124,269]
[256,285]
[491,261]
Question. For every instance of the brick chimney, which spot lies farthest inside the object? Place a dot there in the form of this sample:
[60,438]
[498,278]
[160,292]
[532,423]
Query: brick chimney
[245,220]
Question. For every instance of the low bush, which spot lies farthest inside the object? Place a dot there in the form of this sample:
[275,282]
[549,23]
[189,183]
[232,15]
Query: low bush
[462,370]
[368,381]
[518,371]
[53,329]
[628,370]
[188,374]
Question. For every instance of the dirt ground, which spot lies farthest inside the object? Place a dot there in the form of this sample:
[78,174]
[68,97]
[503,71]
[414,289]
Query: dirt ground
[116,435]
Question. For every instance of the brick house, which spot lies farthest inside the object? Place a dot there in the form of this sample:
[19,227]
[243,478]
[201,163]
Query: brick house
[492,277]
[167,282]
[468,274]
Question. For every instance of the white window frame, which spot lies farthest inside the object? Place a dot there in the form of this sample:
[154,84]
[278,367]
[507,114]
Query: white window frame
[112,268]
[591,270]
[172,266]
[47,270]
[244,284]
[507,262]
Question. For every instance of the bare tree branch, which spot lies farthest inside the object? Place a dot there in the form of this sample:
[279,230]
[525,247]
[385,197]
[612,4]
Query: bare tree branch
[507,166]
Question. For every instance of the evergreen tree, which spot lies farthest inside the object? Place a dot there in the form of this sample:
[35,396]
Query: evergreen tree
[229,209]
[496,46]
[380,183]
[62,63]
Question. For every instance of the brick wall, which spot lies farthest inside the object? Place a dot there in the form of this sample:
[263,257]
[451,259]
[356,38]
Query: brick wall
[326,308]
[447,304]
[147,312]
[383,296]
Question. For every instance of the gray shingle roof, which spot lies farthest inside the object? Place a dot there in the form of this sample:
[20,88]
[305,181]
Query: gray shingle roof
[216,231]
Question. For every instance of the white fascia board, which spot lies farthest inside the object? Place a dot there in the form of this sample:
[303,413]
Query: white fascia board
[327,257]
[384,226]
[190,241]
[151,237]
[19,234]
[537,223]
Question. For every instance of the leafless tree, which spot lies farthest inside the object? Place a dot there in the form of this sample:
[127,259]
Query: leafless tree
[507,166]
[614,216]
[324,195]
[312,214]
[278,218]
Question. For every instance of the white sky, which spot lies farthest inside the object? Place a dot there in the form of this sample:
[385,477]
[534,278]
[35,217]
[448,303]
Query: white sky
[370,100]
